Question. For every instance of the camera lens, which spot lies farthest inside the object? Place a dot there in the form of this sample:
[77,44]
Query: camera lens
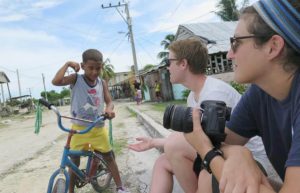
[178,118]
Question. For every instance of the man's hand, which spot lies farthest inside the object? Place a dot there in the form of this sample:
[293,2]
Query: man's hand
[198,139]
[241,173]
[73,65]
[144,144]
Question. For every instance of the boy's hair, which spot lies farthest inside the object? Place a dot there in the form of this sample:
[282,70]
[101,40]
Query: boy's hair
[257,26]
[92,54]
[194,51]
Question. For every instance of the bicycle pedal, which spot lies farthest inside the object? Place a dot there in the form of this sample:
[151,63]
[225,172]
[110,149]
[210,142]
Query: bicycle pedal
[79,183]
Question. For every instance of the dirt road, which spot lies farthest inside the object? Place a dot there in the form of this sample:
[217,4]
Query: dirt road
[27,160]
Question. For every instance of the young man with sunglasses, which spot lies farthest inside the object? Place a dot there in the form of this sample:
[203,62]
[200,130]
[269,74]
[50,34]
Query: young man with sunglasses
[266,52]
[187,65]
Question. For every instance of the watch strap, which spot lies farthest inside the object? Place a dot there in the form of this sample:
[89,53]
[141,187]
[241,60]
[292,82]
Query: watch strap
[209,156]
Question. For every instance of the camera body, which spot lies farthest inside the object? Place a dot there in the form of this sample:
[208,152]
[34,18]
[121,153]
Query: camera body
[214,115]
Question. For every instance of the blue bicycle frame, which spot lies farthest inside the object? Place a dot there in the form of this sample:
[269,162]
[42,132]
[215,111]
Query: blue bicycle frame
[65,161]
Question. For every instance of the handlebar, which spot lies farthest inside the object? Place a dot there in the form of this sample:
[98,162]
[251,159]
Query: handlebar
[59,116]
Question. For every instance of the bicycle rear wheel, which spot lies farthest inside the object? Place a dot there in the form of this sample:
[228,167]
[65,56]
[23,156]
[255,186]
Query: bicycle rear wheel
[102,179]
[60,186]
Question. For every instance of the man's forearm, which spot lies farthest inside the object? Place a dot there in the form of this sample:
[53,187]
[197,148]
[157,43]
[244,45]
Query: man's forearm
[158,142]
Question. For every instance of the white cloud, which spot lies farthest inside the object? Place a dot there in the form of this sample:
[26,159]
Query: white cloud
[45,4]
[187,13]
[18,10]
[12,17]
[32,53]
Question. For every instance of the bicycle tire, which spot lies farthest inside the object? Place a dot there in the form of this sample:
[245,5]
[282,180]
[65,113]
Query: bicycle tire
[102,179]
[60,186]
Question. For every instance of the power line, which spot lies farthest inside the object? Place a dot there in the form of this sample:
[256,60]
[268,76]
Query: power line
[140,44]
[176,25]
[8,69]
[178,5]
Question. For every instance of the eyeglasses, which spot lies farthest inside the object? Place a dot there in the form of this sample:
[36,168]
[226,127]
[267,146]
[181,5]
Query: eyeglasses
[168,61]
[235,43]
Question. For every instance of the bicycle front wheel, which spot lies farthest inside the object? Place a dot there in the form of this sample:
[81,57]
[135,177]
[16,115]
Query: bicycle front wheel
[60,186]
[102,179]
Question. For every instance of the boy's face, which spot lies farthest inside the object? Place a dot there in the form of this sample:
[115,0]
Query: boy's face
[92,69]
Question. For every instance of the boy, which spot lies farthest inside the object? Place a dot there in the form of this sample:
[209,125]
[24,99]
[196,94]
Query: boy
[89,93]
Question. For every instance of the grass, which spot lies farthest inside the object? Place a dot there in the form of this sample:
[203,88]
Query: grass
[162,106]
[118,146]
[132,113]
[120,125]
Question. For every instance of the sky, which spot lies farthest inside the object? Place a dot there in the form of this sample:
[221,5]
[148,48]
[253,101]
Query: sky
[37,37]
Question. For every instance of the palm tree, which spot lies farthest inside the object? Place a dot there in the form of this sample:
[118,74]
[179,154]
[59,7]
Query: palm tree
[165,43]
[228,9]
[148,67]
[107,70]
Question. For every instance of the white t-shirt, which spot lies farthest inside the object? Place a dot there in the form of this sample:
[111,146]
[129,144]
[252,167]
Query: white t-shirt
[215,89]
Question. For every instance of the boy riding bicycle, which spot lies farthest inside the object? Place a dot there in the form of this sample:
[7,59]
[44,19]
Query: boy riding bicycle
[89,93]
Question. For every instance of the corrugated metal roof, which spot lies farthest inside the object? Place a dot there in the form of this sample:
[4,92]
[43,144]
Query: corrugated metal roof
[215,34]
[3,78]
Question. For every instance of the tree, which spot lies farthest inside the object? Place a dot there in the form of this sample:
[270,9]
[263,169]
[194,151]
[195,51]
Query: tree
[165,43]
[148,67]
[107,70]
[228,9]
[52,96]
[65,92]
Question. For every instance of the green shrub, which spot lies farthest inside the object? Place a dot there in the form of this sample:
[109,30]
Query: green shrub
[185,94]
[241,88]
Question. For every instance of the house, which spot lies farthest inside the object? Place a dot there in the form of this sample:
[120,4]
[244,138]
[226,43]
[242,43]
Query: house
[120,85]
[4,79]
[216,36]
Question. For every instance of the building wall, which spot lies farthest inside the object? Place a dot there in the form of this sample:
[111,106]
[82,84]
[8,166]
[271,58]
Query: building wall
[119,77]
[177,91]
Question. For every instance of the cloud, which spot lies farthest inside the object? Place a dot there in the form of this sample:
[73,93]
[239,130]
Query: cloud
[46,4]
[186,13]
[12,17]
[32,53]
[18,10]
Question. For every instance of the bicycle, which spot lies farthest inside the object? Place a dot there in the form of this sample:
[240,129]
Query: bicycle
[102,177]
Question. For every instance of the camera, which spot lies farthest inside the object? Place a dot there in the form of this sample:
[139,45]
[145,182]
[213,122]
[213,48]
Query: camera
[214,115]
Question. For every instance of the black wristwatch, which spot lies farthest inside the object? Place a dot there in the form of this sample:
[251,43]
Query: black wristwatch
[209,156]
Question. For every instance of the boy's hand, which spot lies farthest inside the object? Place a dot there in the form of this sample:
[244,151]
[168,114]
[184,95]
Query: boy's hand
[73,65]
[110,114]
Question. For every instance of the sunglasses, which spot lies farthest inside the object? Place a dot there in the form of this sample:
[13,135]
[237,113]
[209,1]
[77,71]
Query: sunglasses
[234,43]
[169,60]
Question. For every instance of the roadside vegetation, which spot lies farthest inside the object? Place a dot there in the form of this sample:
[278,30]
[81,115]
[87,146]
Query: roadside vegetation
[162,106]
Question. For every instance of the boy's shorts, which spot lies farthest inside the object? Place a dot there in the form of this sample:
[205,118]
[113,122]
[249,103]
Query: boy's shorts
[97,137]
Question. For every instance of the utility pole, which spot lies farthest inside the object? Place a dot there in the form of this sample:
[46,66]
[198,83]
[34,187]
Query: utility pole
[29,92]
[2,92]
[45,87]
[129,25]
[20,94]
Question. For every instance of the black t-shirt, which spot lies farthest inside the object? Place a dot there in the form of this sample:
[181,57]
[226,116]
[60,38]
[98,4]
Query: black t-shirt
[277,122]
